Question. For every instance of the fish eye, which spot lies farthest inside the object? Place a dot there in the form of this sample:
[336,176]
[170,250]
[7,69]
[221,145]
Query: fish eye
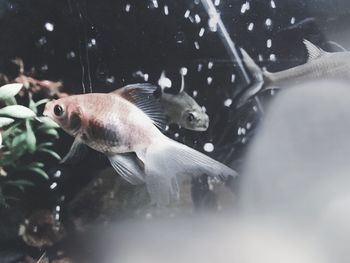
[190,117]
[58,110]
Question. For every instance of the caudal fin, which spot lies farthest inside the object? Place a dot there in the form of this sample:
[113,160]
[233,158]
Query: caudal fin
[166,159]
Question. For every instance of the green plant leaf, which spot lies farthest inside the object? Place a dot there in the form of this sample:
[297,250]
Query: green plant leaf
[47,123]
[32,106]
[44,145]
[39,171]
[17,111]
[36,164]
[31,139]
[40,102]
[4,121]
[49,131]
[20,184]
[10,90]
[10,101]
[50,152]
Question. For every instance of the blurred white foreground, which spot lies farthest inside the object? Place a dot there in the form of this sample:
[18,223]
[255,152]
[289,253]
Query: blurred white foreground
[294,198]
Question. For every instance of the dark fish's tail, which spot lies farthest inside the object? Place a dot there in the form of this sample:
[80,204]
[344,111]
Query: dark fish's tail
[258,78]
[166,159]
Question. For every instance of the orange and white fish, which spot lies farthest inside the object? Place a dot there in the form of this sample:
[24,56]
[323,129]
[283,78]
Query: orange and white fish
[123,125]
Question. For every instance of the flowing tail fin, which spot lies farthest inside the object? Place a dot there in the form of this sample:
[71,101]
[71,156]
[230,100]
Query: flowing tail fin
[166,159]
[258,77]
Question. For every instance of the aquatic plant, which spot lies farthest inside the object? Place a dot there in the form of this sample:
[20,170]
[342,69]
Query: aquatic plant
[23,136]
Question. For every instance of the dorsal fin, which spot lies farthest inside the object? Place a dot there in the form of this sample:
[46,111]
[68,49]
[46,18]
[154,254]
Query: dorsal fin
[144,96]
[314,52]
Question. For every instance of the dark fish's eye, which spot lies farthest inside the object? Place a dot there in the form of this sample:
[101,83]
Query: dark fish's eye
[58,110]
[190,117]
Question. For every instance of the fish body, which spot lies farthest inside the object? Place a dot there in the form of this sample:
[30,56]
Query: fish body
[181,108]
[123,126]
[320,65]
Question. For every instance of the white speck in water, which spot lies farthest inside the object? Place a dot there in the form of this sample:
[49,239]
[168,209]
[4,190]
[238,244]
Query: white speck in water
[195,93]
[272,92]
[197,18]
[71,55]
[260,58]
[233,78]
[239,131]
[183,71]
[268,22]
[209,80]
[217,2]
[228,102]
[49,26]
[273,4]
[273,57]
[35,229]
[204,109]
[44,67]
[199,68]
[127,8]
[292,20]
[155,3]
[269,43]
[213,22]
[93,41]
[110,79]
[248,125]
[208,147]
[166,128]
[210,65]
[245,7]
[191,19]
[42,41]
[58,208]
[201,32]
[196,45]
[176,135]
[166,10]
[165,82]
[187,13]
[244,140]
[251,26]
[57,174]
[255,108]
[243,131]
[57,216]
[145,76]
[53,185]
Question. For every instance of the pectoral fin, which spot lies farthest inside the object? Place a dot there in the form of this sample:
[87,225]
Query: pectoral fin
[129,167]
[76,153]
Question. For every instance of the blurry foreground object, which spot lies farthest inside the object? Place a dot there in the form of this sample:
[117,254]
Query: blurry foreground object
[298,169]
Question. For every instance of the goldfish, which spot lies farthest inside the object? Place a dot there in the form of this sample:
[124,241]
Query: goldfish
[181,108]
[320,65]
[126,125]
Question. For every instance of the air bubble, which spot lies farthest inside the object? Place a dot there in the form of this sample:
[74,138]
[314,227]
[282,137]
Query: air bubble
[197,18]
[127,8]
[208,147]
[166,10]
[228,102]
[251,26]
[49,26]
[201,32]
[209,80]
